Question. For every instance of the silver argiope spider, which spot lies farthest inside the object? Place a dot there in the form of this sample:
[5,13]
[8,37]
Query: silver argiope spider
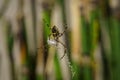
[53,38]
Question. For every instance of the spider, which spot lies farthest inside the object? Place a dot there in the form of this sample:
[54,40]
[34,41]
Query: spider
[53,38]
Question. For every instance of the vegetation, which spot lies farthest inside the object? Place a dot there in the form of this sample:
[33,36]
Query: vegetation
[35,35]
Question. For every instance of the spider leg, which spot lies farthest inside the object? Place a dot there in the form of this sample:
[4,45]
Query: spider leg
[46,23]
[56,39]
[44,48]
[63,31]
[65,48]
[49,36]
